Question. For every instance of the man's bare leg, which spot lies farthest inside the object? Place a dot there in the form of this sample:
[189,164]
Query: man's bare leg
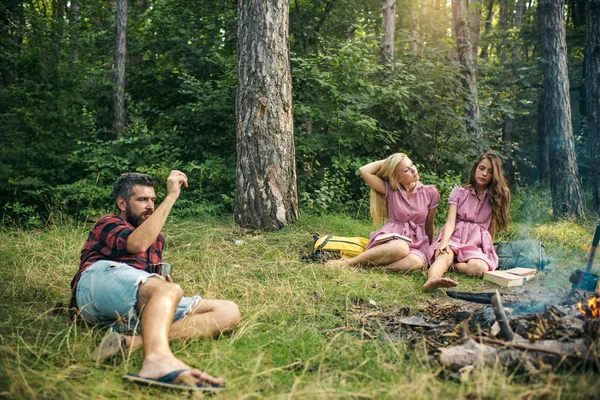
[157,301]
[383,254]
[206,319]
[437,269]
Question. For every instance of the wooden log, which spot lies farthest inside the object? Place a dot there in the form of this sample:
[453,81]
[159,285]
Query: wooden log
[498,308]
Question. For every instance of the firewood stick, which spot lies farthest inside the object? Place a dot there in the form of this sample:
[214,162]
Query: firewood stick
[530,348]
[505,328]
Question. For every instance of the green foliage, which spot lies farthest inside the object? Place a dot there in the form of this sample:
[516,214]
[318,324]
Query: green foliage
[59,151]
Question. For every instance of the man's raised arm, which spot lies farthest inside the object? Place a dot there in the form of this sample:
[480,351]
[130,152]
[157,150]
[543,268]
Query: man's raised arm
[143,236]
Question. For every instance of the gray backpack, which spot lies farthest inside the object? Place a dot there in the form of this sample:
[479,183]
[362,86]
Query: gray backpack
[528,253]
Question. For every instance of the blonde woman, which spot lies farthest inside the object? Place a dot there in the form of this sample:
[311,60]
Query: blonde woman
[409,208]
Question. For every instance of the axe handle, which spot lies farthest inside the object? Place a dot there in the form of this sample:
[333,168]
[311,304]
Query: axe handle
[595,241]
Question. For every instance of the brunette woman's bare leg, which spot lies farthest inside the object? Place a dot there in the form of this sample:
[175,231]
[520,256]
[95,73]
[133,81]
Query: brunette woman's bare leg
[437,269]
[473,267]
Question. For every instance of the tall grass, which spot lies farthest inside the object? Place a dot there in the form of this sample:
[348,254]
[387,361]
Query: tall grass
[292,341]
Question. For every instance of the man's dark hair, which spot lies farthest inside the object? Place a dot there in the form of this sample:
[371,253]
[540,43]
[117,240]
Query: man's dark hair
[123,186]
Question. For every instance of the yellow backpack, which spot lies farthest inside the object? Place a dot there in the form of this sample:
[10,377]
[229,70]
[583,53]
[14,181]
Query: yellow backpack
[344,246]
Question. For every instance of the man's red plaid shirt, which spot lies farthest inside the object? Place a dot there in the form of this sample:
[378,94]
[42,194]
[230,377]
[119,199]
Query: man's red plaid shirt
[108,241]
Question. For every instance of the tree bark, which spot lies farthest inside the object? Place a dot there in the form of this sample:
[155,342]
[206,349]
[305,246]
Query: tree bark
[388,32]
[120,57]
[414,33]
[474,22]
[567,201]
[266,192]
[543,144]
[468,71]
[75,28]
[487,28]
[592,85]
[518,21]
[502,25]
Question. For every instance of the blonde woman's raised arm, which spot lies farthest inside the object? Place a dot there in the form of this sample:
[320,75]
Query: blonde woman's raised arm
[367,172]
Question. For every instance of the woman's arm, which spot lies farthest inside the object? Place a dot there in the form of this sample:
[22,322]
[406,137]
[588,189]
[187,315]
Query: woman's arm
[492,228]
[448,229]
[367,172]
[429,224]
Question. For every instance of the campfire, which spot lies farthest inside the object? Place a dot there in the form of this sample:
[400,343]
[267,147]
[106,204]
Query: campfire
[520,330]
[590,308]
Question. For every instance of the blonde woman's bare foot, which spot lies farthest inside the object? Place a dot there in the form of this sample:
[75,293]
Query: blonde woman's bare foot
[337,263]
[438,283]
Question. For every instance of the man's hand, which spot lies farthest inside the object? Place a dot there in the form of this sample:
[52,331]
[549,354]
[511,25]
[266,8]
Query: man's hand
[174,181]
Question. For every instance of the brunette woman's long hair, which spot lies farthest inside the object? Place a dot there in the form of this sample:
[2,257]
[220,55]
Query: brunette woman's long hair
[498,191]
[387,172]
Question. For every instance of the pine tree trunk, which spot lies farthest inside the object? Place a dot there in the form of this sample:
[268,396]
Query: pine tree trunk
[414,33]
[502,25]
[266,193]
[592,85]
[564,177]
[474,22]
[388,32]
[119,66]
[487,28]
[75,28]
[543,144]
[468,72]
[518,21]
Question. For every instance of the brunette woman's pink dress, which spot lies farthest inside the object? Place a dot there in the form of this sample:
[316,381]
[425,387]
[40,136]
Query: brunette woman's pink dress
[471,238]
[407,217]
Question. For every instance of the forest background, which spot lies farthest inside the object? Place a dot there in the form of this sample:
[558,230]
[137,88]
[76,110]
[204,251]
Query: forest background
[60,152]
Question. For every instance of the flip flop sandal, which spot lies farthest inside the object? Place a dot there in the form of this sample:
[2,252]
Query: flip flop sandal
[112,344]
[168,381]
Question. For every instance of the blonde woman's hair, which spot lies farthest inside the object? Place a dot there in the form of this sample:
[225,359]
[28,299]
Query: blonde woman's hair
[387,172]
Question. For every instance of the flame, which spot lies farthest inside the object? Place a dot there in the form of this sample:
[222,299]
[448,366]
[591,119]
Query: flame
[591,309]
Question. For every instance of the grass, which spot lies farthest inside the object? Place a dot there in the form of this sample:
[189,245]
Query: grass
[287,345]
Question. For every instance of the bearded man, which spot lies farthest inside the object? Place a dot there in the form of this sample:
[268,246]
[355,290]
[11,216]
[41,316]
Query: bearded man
[116,286]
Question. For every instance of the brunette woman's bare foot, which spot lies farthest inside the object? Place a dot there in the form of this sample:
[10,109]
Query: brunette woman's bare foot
[438,283]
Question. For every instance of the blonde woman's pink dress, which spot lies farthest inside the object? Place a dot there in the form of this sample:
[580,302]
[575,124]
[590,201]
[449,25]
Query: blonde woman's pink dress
[471,238]
[407,216]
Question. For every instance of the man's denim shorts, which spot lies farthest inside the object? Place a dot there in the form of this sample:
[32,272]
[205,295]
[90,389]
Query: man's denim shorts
[107,295]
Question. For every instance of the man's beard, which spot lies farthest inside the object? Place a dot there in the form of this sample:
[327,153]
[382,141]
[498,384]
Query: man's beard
[135,220]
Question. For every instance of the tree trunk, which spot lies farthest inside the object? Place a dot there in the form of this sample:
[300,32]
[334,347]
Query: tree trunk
[592,85]
[508,125]
[414,34]
[502,25]
[118,122]
[518,20]
[543,144]
[266,193]
[75,28]
[487,28]
[564,177]
[468,72]
[474,22]
[388,32]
